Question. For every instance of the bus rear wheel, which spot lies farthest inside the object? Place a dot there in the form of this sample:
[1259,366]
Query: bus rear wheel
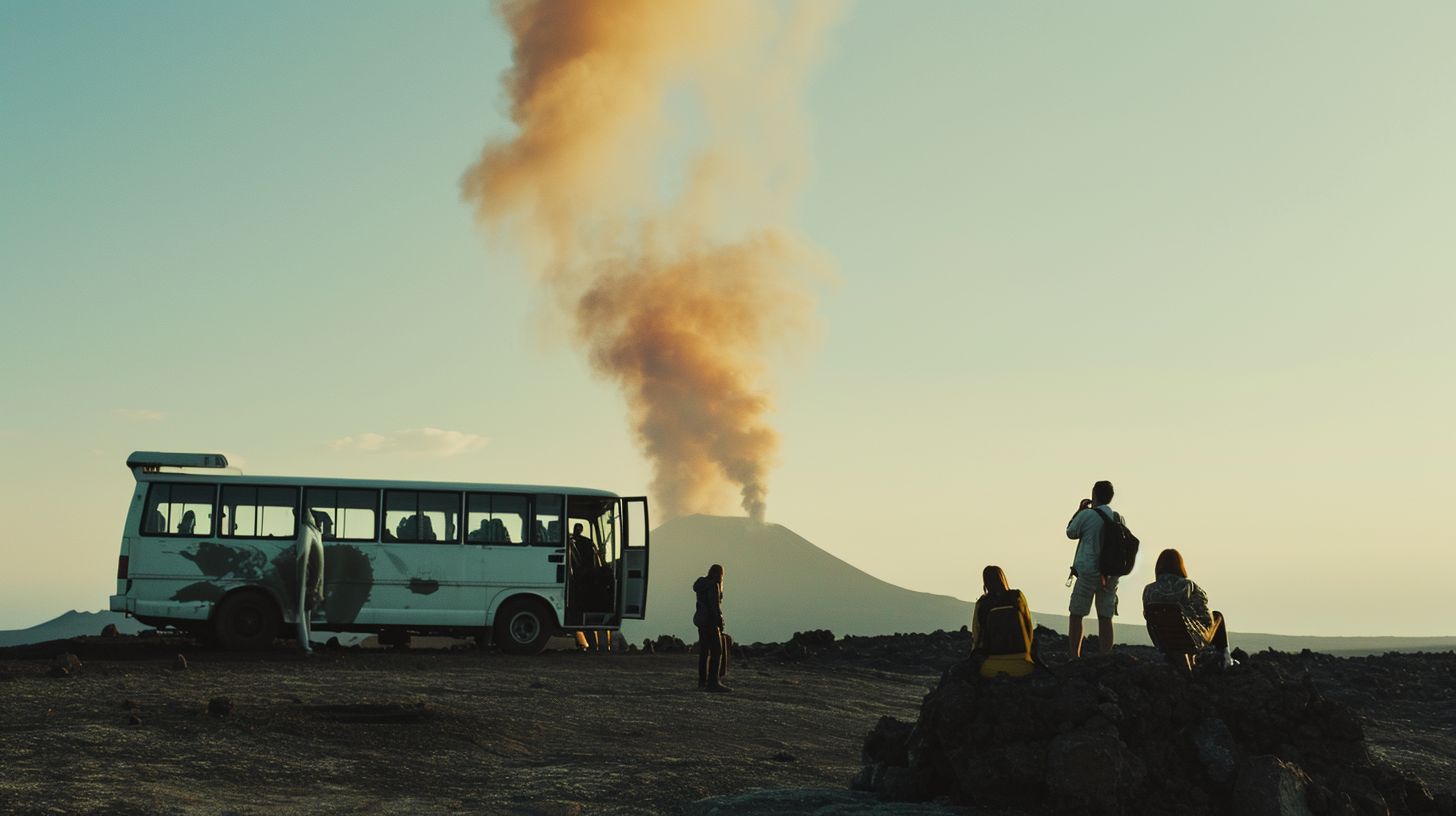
[522,626]
[246,622]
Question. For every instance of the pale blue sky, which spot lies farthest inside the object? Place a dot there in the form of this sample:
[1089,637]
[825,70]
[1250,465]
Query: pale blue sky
[1202,251]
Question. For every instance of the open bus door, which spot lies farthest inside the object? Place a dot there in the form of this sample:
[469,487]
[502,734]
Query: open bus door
[633,594]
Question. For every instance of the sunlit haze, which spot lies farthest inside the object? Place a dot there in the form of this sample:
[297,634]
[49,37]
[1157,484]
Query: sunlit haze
[1201,251]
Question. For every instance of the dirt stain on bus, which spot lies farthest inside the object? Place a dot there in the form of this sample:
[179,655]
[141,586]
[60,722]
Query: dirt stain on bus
[420,586]
[205,591]
[217,560]
[348,576]
[398,562]
[348,581]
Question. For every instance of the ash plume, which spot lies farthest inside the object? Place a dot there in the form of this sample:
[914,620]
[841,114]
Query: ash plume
[658,149]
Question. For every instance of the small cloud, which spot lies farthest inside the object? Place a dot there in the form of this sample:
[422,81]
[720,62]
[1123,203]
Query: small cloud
[140,414]
[432,442]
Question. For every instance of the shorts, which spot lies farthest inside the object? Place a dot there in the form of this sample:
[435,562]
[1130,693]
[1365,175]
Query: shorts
[1090,586]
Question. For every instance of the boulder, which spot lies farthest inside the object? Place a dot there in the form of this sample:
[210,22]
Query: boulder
[668,644]
[65,664]
[110,631]
[1215,745]
[1269,786]
[1094,771]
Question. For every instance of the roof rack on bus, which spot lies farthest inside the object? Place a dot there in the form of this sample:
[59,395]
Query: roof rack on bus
[151,461]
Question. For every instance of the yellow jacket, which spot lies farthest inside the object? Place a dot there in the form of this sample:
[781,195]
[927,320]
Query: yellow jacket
[1015,664]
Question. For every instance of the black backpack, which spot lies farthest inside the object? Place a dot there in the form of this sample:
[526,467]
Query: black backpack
[1001,630]
[1118,547]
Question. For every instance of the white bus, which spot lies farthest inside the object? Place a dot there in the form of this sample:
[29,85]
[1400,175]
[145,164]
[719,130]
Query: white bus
[212,553]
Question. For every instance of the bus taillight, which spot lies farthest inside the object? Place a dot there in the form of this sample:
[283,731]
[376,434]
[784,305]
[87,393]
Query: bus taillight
[121,565]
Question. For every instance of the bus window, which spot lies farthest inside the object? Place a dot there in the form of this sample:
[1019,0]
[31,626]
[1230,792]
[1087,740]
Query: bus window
[417,516]
[179,509]
[259,512]
[598,520]
[495,519]
[546,530]
[343,515]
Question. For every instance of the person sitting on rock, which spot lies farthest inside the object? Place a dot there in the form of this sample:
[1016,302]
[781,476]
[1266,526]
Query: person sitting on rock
[709,620]
[1001,627]
[1172,587]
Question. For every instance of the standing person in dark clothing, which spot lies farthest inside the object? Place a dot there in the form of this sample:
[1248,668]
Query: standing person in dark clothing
[1090,584]
[709,620]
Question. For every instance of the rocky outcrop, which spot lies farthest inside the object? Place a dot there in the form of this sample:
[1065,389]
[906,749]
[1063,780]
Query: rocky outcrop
[776,802]
[1125,734]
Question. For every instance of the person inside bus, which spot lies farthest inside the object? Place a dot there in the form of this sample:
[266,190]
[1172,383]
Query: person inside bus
[325,524]
[417,527]
[187,524]
[583,550]
[1001,627]
[708,618]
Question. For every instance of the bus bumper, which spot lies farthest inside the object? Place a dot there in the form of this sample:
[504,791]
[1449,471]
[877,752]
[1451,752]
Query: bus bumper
[121,603]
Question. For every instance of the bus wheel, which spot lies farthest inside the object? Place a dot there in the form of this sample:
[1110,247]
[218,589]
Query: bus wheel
[246,622]
[522,626]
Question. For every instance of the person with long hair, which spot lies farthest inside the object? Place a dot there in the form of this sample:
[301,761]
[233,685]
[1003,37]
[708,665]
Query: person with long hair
[1171,586]
[709,620]
[1001,627]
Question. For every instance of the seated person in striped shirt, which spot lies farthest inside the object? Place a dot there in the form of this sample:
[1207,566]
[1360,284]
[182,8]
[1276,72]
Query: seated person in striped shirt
[1173,587]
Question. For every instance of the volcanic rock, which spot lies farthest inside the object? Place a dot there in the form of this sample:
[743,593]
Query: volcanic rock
[1119,734]
[1269,786]
[774,802]
[65,664]
[110,631]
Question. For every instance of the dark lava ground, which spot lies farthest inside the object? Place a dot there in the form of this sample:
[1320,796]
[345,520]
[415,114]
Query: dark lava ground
[378,731]
[421,732]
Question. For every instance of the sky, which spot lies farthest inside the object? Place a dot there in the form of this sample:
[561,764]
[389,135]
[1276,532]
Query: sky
[1201,251]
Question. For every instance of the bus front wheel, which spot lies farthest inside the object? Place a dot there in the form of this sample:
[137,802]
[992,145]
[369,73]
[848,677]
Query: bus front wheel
[522,626]
[246,622]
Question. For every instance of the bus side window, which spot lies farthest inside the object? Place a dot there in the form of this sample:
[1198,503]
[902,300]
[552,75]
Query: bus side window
[495,519]
[179,510]
[423,517]
[343,514]
[260,512]
[547,524]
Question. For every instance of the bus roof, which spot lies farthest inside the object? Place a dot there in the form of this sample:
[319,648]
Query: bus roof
[143,467]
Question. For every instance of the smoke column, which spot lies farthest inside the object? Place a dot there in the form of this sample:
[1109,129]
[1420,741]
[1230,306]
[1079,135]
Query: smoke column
[658,150]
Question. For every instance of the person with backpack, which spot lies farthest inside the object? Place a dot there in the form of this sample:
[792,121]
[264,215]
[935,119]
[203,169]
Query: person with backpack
[1106,550]
[709,621]
[1001,628]
[1171,586]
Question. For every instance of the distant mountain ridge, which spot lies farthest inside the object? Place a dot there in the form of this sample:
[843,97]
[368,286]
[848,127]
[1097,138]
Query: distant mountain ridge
[778,583]
[69,625]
